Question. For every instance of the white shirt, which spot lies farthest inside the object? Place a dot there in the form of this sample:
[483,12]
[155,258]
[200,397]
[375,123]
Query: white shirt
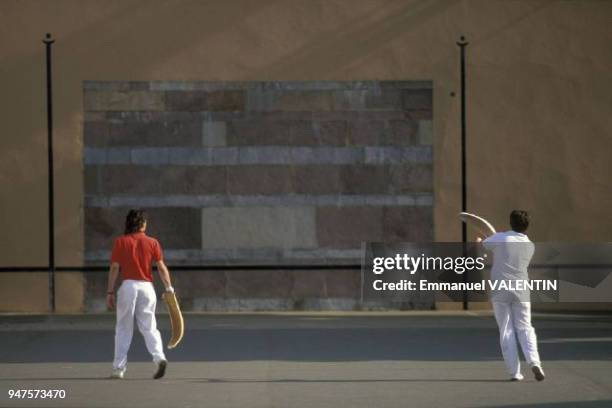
[512,253]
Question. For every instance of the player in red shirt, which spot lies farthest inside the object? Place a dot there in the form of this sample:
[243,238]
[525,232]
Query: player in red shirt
[133,254]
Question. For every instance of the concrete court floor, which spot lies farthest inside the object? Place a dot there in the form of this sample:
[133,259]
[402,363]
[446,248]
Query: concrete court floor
[418,359]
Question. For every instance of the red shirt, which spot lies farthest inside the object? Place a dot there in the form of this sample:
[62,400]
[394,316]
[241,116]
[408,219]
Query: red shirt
[134,253]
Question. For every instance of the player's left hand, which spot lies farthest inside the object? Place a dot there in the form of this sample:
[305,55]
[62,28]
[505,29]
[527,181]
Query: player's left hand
[110,301]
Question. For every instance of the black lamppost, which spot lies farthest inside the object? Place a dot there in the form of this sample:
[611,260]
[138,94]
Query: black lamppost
[48,41]
[462,43]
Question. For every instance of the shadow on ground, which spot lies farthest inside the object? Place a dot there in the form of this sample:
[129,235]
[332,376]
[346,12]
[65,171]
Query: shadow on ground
[283,338]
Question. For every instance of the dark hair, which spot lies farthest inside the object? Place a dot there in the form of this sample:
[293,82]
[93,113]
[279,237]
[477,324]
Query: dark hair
[519,220]
[134,220]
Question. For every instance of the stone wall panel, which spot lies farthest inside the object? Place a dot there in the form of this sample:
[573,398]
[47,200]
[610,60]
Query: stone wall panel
[298,172]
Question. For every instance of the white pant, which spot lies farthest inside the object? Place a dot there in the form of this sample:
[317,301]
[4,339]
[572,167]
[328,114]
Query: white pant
[136,299]
[514,320]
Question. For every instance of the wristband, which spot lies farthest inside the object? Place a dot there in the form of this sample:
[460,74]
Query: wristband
[110,293]
[170,289]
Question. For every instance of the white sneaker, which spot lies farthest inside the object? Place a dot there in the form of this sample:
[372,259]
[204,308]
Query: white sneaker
[117,374]
[518,377]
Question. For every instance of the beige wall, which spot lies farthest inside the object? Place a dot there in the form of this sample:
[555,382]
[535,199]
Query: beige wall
[540,94]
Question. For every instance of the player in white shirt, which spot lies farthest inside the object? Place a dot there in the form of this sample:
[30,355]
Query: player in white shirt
[512,252]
